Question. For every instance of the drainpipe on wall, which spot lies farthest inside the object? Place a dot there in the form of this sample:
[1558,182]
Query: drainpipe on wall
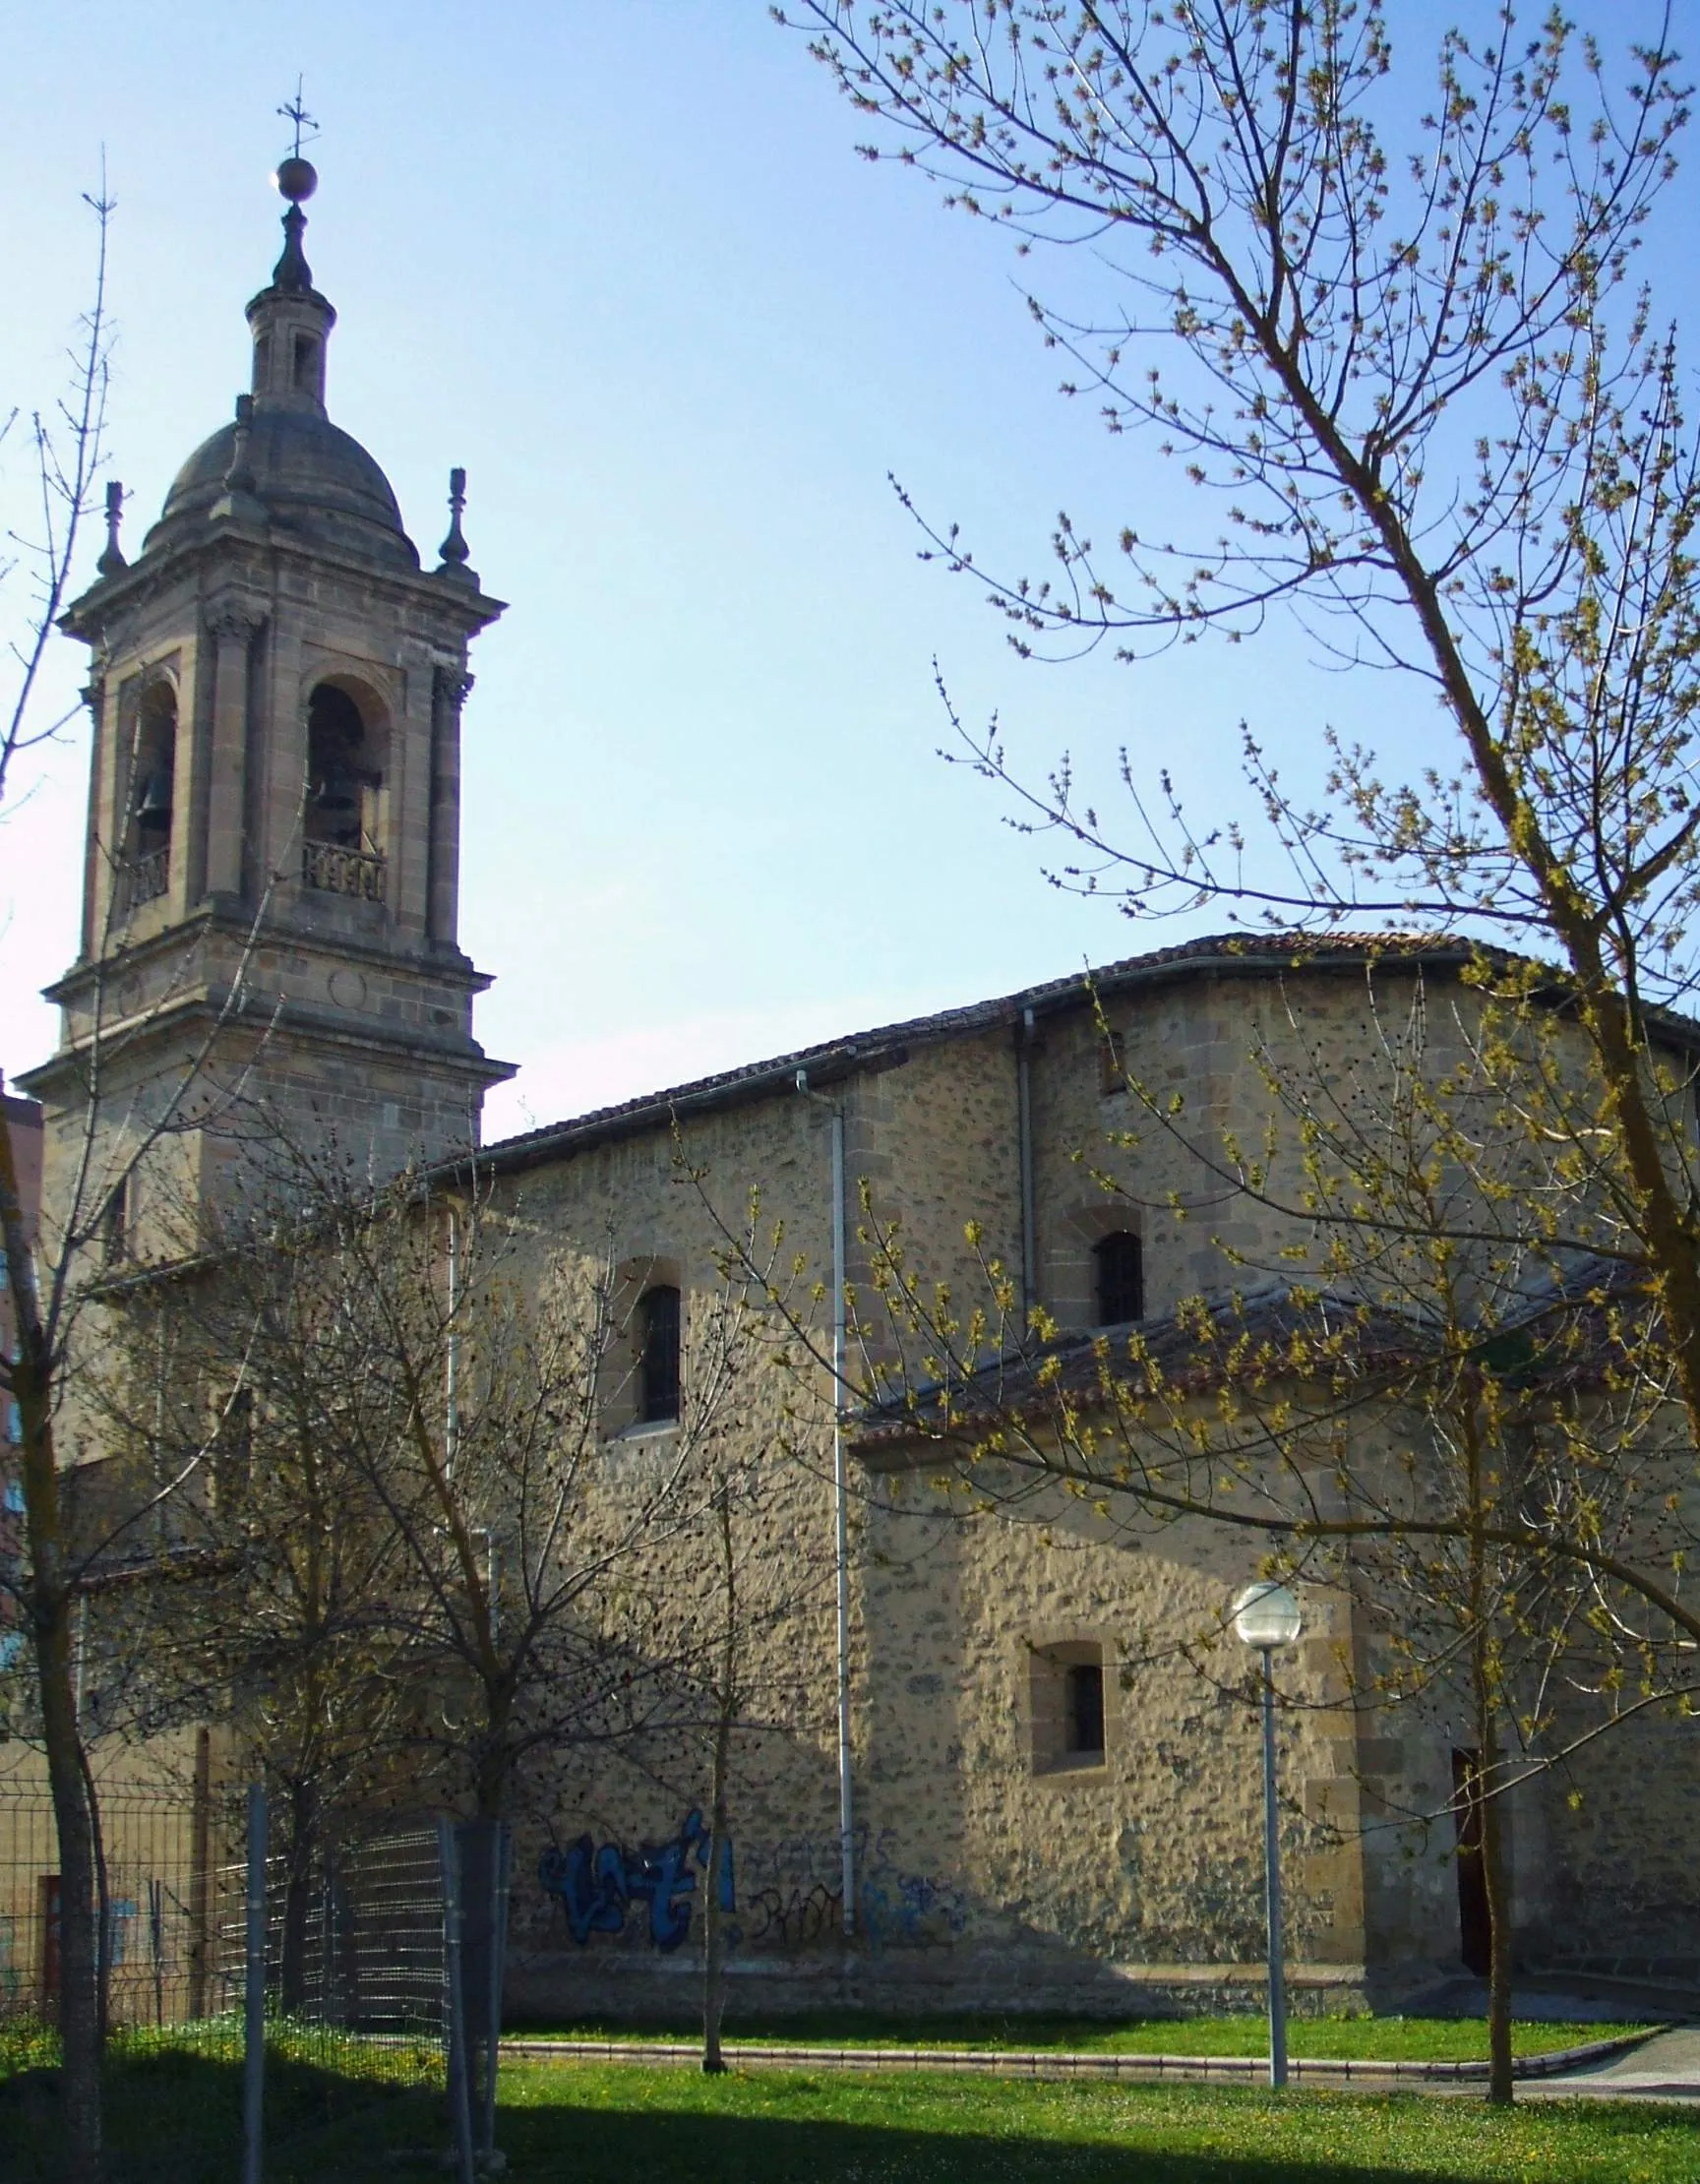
[1024,1157]
[840,1506]
[451,1363]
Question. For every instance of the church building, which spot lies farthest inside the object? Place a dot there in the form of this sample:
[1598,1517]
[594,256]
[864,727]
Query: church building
[1017,1762]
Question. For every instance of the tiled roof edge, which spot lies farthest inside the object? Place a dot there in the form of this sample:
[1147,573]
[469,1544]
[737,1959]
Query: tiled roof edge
[1254,953]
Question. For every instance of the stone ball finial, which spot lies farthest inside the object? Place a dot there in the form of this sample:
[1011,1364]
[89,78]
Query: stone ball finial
[296,178]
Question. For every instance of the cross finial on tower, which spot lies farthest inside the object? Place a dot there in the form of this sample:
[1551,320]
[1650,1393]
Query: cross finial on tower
[296,179]
[293,111]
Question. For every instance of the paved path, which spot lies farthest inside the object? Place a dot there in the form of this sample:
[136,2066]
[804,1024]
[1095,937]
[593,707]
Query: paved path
[1663,2068]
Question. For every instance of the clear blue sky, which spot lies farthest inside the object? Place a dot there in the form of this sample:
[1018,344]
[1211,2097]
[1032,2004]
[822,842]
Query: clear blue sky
[622,262]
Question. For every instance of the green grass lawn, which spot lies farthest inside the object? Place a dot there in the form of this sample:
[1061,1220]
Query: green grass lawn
[608,2124]
[1348,2038]
[174,2119]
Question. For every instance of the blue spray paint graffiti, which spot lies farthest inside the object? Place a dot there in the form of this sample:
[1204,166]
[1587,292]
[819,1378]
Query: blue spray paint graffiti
[598,1885]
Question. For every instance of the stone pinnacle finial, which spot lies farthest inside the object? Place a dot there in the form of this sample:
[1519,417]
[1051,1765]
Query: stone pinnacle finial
[238,502]
[239,478]
[292,273]
[112,560]
[455,551]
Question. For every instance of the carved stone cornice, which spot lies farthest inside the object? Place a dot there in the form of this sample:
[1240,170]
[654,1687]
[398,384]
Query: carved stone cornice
[451,687]
[234,618]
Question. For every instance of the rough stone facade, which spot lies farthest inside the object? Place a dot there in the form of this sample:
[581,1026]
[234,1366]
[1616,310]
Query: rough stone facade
[989,1871]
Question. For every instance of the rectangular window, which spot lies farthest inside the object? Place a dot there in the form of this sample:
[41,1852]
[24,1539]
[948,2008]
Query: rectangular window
[1070,1713]
[1084,1721]
[1118,1268]
[1112,1063]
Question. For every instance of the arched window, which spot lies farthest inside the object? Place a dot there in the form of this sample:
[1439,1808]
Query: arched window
[659,1354]
[1119,1264]
[344,822]
[153,793]
[340,777]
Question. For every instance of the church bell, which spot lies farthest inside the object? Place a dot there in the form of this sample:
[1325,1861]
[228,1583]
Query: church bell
[337,792]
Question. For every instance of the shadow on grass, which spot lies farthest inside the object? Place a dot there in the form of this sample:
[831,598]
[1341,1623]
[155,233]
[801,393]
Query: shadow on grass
[174,2116]
[611,2127]
[603,2148]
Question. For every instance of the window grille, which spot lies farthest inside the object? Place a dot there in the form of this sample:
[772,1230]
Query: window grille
[1120,1261]
[658,1358]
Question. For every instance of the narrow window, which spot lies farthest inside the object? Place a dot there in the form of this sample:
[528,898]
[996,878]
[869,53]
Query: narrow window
[1112,1063]
[306,364]
[658,1358]
[233,1455]
[1083,1724]
[1474,1914]
[115,1223]
[1119,1263]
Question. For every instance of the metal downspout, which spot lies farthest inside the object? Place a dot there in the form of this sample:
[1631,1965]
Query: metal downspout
[452,1359]
[1024,1157]
[840,1508]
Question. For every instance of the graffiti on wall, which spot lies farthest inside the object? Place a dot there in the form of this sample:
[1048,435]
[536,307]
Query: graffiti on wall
[598,1884]
[794,1896]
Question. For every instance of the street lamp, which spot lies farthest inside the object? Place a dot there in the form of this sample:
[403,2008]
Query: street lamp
[1267,1615]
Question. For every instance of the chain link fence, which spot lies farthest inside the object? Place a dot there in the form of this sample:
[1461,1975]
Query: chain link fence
[315,1979]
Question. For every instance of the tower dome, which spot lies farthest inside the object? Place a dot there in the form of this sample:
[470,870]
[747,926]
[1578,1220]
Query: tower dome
[309,475]
[282,464]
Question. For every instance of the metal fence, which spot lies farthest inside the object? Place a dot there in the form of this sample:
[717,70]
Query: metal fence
[159,1925]
[329,1973]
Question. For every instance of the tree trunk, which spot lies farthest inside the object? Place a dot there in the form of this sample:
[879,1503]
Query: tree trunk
[78,1975]
[1500,2084]
[714,1911]
[301,1807]
[1484,1694]
[51,1599]
[103,1899]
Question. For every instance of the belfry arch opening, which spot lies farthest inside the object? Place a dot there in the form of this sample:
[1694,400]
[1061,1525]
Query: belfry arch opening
[344,802]
[152,799]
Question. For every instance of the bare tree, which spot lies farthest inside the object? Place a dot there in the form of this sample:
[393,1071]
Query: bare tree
[131,1115]
[1387,320]
[397,1401]
[68,452]
[254,1595]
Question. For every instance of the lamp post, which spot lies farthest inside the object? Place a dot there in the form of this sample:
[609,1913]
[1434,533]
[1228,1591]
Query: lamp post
[1267,1615]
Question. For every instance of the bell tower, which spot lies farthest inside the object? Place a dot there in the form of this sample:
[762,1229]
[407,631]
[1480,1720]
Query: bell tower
[269,953]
